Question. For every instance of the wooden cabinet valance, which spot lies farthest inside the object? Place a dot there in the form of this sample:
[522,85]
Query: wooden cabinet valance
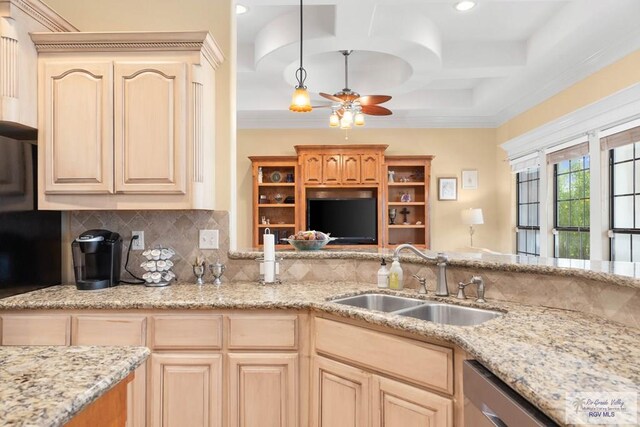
[354,165]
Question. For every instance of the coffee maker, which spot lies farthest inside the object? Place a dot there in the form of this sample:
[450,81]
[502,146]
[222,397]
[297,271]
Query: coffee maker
[96,259]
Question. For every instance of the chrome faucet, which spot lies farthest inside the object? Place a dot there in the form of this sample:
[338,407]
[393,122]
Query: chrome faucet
[441,261]
[475,280]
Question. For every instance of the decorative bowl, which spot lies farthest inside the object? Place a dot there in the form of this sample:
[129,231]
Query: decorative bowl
[308,245]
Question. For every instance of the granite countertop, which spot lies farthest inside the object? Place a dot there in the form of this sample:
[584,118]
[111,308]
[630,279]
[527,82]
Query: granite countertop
[615,272]
[543,353]
[49,385]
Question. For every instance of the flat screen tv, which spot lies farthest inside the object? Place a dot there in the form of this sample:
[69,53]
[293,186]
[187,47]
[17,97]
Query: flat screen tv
[351,221]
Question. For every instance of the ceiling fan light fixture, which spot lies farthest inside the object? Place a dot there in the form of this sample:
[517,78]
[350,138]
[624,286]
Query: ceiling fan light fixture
[358,119]
[334,120]
[465,5]
[345,123]
[348,116]
[300,101]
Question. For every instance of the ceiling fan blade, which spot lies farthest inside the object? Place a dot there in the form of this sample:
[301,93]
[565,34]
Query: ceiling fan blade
[321,106]
[331,97]
[376,110]
[373,99]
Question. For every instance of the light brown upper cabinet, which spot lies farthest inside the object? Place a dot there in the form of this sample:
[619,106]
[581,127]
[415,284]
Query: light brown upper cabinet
[126,120]
[353,165]
[19,61]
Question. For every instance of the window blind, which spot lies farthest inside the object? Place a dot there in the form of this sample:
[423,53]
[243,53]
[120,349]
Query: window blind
[573,152]
[619,139]
[521,164]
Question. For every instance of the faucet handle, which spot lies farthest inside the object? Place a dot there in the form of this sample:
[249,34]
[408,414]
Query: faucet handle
[423,284]
[461,286]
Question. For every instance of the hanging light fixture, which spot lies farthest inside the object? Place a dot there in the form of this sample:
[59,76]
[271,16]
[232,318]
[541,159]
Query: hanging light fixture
[358,118]
[334,119]
[300,101]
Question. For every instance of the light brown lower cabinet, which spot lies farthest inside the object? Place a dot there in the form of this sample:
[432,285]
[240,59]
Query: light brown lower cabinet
[340,395]
[346,396]
[263,389]
[118,329]
[186,390]
[395,404]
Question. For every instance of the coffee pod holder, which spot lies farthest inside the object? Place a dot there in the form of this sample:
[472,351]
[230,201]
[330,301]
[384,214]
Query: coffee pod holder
[158,267]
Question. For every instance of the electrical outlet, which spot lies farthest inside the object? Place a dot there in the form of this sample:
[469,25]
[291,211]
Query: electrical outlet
[208,239]
[138,244]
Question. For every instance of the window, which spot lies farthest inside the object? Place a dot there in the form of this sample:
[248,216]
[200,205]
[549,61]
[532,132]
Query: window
[571,207]
[528,214]
[624,173]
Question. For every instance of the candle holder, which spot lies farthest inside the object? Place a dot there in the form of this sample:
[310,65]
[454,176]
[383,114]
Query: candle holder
[217,270]
[198,270]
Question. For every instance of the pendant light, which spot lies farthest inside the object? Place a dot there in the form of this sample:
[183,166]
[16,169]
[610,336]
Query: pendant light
[300,101]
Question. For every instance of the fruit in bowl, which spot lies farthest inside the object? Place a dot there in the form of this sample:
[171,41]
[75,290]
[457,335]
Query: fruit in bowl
[309,240]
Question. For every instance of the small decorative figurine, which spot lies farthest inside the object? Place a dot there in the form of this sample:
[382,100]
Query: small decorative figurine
[405,197]
[260,175]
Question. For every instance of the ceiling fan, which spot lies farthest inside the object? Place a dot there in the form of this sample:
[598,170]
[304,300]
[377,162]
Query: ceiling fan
[349,107]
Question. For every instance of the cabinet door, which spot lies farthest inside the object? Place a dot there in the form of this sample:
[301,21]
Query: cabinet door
[76,117]
[117,330]
[331,166]
[150,127]
[351,169]
[263,390]
[312,168]
[35,329]
[186,390]
[340,395]
[396,404]
[370,169]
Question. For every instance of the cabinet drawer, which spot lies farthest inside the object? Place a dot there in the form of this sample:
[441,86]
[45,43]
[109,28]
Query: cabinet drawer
[108,330]
[189,332]
[263,332]
[34,329]
[413,361]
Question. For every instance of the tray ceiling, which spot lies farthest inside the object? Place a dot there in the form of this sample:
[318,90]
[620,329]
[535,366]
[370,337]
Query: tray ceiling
[443,68]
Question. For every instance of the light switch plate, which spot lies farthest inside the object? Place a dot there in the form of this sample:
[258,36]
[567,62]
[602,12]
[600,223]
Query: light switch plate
[208,239]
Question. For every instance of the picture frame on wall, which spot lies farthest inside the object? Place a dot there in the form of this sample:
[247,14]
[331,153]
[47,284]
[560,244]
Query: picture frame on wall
[470,179]
[448,188]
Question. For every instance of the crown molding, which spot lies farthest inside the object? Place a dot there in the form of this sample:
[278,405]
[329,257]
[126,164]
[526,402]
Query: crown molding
[188,41]
[615,109]
[38,11]
[570,76]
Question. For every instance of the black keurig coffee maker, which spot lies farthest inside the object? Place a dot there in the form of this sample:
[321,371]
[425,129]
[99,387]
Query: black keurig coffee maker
[96,259]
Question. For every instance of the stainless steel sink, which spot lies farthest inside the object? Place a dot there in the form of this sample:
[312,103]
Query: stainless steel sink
[379,302]
[450,314]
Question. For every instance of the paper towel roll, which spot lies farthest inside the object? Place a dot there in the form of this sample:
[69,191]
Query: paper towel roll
[269,247]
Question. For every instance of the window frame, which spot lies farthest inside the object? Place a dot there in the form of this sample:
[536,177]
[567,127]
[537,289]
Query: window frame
[579,229]
[526,228]
[635,159]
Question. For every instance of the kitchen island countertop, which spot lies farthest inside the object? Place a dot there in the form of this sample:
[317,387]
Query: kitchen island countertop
[49,385]
[545,354]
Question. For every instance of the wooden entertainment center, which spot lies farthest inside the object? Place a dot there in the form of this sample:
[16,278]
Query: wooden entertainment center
[283,184]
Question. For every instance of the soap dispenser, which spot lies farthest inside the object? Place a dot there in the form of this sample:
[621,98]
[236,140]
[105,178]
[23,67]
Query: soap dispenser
[383,275]
[395,275]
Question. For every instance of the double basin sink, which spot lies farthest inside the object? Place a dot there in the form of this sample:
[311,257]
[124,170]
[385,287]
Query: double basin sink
[432,311]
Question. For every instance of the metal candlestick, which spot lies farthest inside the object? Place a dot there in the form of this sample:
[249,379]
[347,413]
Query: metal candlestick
[217,270]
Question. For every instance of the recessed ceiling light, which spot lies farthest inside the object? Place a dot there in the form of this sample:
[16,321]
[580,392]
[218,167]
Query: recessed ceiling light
[464,5]
[241,9]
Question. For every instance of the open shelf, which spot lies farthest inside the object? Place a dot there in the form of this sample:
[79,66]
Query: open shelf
[277,184]
[276,205]
[417,170]
[276,225]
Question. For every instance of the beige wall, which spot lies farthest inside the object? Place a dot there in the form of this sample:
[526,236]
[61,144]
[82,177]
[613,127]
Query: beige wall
[170,15]
[455,149]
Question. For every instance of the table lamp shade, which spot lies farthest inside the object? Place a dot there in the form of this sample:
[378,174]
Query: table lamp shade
[472,216]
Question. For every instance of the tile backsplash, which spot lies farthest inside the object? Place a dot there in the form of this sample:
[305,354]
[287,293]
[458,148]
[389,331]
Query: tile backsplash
[176,229]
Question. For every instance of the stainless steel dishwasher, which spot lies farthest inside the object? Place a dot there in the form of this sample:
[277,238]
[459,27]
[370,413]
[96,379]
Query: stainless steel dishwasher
[492,403]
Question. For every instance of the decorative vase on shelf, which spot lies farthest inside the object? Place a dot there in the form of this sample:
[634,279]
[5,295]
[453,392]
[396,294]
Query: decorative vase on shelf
[278,198]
